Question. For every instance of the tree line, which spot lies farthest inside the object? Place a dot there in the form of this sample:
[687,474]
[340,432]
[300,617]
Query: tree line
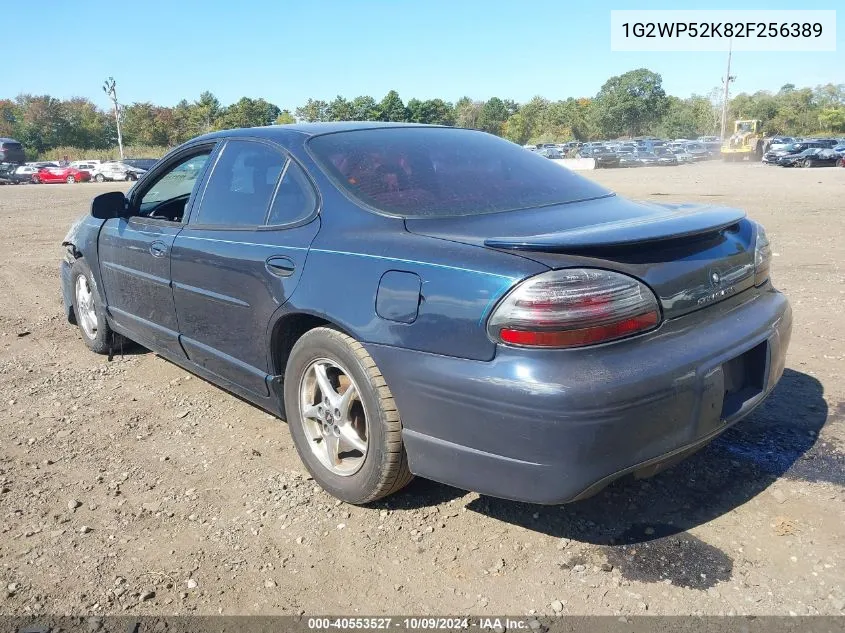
[630,104]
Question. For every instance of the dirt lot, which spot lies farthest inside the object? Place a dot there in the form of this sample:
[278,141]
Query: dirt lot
[131,486]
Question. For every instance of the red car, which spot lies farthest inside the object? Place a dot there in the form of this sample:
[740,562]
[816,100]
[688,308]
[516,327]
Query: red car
[69,175]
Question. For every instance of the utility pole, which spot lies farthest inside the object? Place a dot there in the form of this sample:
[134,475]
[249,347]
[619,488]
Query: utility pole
[727,81]
[109,89]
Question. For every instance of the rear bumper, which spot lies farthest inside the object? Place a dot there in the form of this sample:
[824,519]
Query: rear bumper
[553,426]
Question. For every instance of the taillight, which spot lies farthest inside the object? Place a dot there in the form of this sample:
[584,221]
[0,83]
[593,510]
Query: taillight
[762,257]
[574,307]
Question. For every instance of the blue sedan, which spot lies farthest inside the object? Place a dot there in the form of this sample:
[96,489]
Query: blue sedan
[422,300]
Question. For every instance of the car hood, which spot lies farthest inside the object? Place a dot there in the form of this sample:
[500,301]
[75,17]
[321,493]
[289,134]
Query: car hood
[691,255]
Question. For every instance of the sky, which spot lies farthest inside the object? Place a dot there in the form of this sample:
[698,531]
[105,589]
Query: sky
[287,51]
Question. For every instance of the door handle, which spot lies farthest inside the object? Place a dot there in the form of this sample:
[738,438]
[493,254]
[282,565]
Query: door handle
[158,249]
[280,266]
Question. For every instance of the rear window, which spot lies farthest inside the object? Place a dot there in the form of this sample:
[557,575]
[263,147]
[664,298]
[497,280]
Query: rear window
[7,145]
[431,172]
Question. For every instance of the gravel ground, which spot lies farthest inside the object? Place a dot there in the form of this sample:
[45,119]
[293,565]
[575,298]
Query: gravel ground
[133,487]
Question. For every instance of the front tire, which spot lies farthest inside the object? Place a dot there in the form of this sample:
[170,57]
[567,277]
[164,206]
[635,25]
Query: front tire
[89,310]
[343,419]
[70,180]
[100,178]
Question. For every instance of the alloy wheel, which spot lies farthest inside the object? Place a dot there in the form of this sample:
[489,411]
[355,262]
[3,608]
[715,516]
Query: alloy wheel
[87,316]
[333,417]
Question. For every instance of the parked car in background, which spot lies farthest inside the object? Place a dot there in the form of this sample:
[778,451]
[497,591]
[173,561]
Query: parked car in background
[116,170]
[89,167]
[20,174]
[665,156]
[811,157]
[628,158]
[698,151]
[825,143]
[78,163]
[11,151]
[144,164]
[773,157]
[550,152]
[604,157]
[6,172]
[484,291]
[646,159]
[69,175]
[779,142]
[683,156]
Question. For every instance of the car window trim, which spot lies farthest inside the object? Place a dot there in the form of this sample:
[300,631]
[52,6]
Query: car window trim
[288,156]
[165,167]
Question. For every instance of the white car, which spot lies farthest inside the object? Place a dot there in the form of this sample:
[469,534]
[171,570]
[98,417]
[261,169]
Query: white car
[83,166]
[78,164]
[115,170]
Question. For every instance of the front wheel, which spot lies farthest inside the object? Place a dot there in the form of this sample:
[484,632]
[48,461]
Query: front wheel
[89,310]
[35,180]
[130,177]
[100,178]
[342,418]
[70,180]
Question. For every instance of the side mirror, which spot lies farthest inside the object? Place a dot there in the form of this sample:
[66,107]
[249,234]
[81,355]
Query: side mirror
[109,205]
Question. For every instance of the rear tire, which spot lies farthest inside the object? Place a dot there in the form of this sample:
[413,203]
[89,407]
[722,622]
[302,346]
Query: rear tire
[100,178]
[70,180]
[382,468]
[89,310]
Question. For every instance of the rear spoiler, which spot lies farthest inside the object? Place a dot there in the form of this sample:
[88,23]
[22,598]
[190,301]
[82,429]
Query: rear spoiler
[675,223]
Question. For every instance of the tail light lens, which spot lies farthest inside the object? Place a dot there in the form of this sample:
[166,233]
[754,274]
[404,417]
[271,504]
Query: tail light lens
[762,257]
[573,308]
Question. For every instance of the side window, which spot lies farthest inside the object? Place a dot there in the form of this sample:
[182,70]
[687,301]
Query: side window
[295,198]
[241,186]
[167,196]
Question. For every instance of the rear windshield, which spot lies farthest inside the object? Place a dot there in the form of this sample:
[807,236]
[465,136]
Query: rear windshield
[8,145]
[429,172]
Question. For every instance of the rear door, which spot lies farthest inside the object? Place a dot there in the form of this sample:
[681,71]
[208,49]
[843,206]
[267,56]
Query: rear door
[240,257]
[134,252]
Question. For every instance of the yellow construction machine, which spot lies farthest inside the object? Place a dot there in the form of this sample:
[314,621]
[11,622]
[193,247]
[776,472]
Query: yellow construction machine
[747,140]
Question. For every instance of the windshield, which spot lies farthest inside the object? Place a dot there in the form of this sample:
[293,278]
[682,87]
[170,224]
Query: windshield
[431,172]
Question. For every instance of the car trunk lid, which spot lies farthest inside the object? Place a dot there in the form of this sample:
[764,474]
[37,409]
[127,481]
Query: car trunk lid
[691,255]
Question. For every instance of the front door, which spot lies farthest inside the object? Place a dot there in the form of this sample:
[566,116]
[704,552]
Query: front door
[135,252]
[240,257]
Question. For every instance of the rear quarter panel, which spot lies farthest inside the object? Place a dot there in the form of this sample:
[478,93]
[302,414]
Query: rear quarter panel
[355,247]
